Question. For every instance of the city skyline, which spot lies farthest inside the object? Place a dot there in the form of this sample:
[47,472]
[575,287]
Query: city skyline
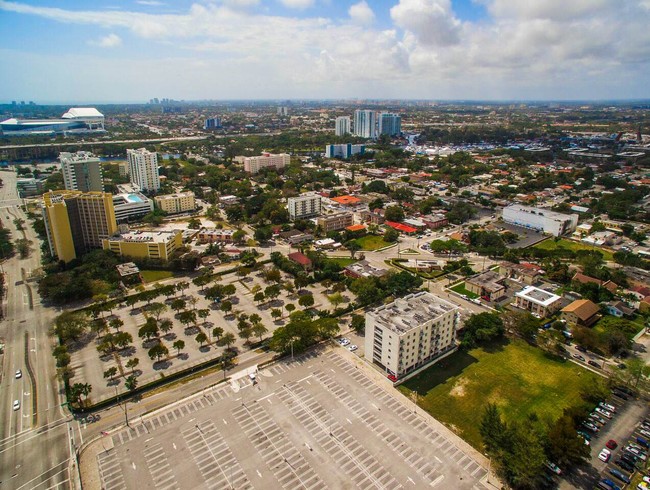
[325,49]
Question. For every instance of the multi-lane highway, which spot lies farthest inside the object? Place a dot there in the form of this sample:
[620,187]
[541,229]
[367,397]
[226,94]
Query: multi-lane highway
[34,446]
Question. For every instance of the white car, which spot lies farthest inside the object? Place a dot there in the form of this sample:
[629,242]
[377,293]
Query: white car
[603,412]
[352,348]
[553,467]
[605,455]
[636,452]
[645,432]
[19,374]
[608,407]
[16,405]
[344,342]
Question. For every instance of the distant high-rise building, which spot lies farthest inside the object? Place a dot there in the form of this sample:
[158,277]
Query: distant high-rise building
[364,124]
[283,111]
[390,124]
[82,171]
[344,150]
[77,222]
[342,125]
[212,123]
[143,169]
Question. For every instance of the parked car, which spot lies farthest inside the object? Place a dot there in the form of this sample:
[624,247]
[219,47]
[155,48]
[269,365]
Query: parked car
[611,444]
[620,394]
[19,374]
[625,465]
[604,412]
[581,348]
[620,475]
[607,406]
[352,348]
[553,467]
[595,418]
[392,377]
[593,363]
[644,432]
[609,484]
[592,427]
[604,455]
[637,452]
[16,405]
[579,357]
[644,443]
[584,434]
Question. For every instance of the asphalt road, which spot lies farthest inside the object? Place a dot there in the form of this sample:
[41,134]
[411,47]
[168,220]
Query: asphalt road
[34,448]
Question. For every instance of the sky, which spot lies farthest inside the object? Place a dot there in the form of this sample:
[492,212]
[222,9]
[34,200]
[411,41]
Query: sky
[57,51]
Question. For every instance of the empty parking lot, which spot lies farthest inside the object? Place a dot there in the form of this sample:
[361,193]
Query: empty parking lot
[317,422]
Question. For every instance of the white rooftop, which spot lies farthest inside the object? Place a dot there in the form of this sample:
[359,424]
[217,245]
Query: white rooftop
[75,112]
[538,296]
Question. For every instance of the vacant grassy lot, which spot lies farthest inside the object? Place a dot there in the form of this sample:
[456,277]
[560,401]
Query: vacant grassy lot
[551,244]
[460,289]
[152,276]
[519,378]
[372,242]
[342,261]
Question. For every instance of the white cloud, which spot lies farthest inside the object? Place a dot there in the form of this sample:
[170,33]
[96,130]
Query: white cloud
[241,3]
[150,3]
[297,4]
[432,22]
[361,13]
[110,41]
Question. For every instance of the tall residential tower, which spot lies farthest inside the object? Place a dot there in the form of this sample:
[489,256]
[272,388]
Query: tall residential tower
[342,126]
[82,171]
[143,169]
[365,124]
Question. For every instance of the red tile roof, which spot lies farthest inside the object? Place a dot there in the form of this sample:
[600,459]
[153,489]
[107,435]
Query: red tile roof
[299,258]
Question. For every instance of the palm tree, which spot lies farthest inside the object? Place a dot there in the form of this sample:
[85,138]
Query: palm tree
[131,383]
[228,339]
[166,325]
[132,364]
[217,332]
[259,329]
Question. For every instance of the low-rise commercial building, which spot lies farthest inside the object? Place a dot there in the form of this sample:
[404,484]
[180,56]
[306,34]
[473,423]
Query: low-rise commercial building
[538,301]
[488,284]
[131,206]
[363,268]
[28,187]
[153,245]
[335,222]
[410,332]
[523,272]
[181,202]
[545,220]
[215,235]
[304,206]
[581,312]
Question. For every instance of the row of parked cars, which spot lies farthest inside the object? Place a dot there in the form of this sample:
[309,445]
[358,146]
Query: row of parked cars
[630,456]
[343,342]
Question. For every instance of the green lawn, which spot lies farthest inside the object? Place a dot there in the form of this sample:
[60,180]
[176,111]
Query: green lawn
[551,244]
[372,242]
[342,261]
[153,276]
[519,378]
[460,289]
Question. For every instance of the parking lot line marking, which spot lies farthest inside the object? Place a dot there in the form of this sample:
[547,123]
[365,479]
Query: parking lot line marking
[133,465]
[174,445]
[224,421]
[437,480]
[258,473]
[349,421]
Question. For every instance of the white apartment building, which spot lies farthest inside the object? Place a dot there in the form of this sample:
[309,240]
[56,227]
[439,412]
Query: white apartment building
[130,206]
[304,206]
[252,165]
[538,301]
[143,169]
[545,220]
[181,202]
[365,124]
[410,332]
[82,171]
[342,125]
[344,150]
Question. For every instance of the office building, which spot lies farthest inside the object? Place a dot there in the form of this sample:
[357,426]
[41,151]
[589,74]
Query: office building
[410,332]
[365,124]
[30,186]
[82,171]
[181,202]
[304,206]
[214,235]
[390,124]
[489,285]
[212,123]
[78,120]
[143,169]
[342,125]
[131,206]
[334,222]
[539,302]
[544,220]
[253,165]
[344,151]
[77,222]
[153,245]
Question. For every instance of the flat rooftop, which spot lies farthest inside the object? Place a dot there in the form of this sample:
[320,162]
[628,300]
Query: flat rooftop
[410,312]
[539,296]
[488,280]
[547,213]
[145,236]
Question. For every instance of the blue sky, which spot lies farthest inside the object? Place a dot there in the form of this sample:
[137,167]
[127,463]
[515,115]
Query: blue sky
[112,50]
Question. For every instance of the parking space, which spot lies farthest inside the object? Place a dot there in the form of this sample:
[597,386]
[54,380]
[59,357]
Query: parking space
[614,446]
[316,422]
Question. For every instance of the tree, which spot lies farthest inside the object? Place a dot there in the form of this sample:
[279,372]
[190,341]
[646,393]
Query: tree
[194,224]
[110,373]
[229,290]
[157,309]
[179,345]
[116,323]
[566,449]
[149,329]
[203,313]
[131,383]
[193,300]
[336,299]
[522,323]
[551,341]
[638,370]
[178,304]
[217,332]
[122,339]
[22,246]
[482,328]
[182,286]
[227,340]
[394,213]
[306,300]
[276,313]
[157,351]
[239,237]
[259,297]
[132,364]
[391,235]
[187,317]
[246,333]
[226,307]
[259,330]
[290,307]
[70,325]
[201,338]
[166,325]
[353,247]
[272,274]
[493,429]
[358,323]
[272,291]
